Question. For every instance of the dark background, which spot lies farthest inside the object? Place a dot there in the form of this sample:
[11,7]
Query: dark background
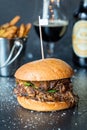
[28,10]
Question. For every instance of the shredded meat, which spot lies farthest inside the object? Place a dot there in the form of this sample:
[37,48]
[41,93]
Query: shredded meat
[57,90]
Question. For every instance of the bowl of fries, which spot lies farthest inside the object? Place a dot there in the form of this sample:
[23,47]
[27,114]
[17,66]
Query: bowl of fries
[10,30]
[12,45]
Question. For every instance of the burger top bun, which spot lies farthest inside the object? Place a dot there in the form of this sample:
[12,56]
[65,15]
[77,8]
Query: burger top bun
[44,70]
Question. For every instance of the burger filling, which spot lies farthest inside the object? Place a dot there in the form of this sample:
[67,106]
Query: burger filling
[47,91]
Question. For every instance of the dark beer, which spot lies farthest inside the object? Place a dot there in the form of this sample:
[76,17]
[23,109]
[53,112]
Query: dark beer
[53,31]
[79,35]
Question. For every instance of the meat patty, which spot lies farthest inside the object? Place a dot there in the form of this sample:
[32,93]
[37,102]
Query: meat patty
[56,90]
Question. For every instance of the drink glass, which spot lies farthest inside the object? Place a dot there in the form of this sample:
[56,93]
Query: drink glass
[53,24]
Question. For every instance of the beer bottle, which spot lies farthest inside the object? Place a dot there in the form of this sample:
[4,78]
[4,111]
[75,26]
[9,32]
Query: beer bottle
[79,35]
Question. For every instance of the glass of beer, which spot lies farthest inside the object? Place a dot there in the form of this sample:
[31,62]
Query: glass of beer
[53,24]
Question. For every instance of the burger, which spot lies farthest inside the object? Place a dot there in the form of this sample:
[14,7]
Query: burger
[45,85]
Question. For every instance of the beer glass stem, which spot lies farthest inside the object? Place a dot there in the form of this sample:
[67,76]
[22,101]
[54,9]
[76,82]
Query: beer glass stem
[50,49]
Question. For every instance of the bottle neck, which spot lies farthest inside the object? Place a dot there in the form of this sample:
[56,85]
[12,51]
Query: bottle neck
[81,12]
[85,3]
[83,6]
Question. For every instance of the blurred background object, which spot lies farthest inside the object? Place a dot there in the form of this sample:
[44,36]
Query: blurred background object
[28,10]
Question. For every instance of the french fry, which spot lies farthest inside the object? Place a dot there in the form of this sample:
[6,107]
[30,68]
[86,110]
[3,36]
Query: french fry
[7,33]
[6,25]
[27,29]
[10,36]
[2,31]
[10,30]
[14,20]
[21,31]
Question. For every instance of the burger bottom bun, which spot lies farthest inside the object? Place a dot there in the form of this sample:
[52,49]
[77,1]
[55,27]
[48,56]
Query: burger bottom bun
[41,106]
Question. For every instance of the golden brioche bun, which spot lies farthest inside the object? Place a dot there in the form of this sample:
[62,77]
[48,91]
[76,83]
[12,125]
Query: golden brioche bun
[44,70]
[41,106]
